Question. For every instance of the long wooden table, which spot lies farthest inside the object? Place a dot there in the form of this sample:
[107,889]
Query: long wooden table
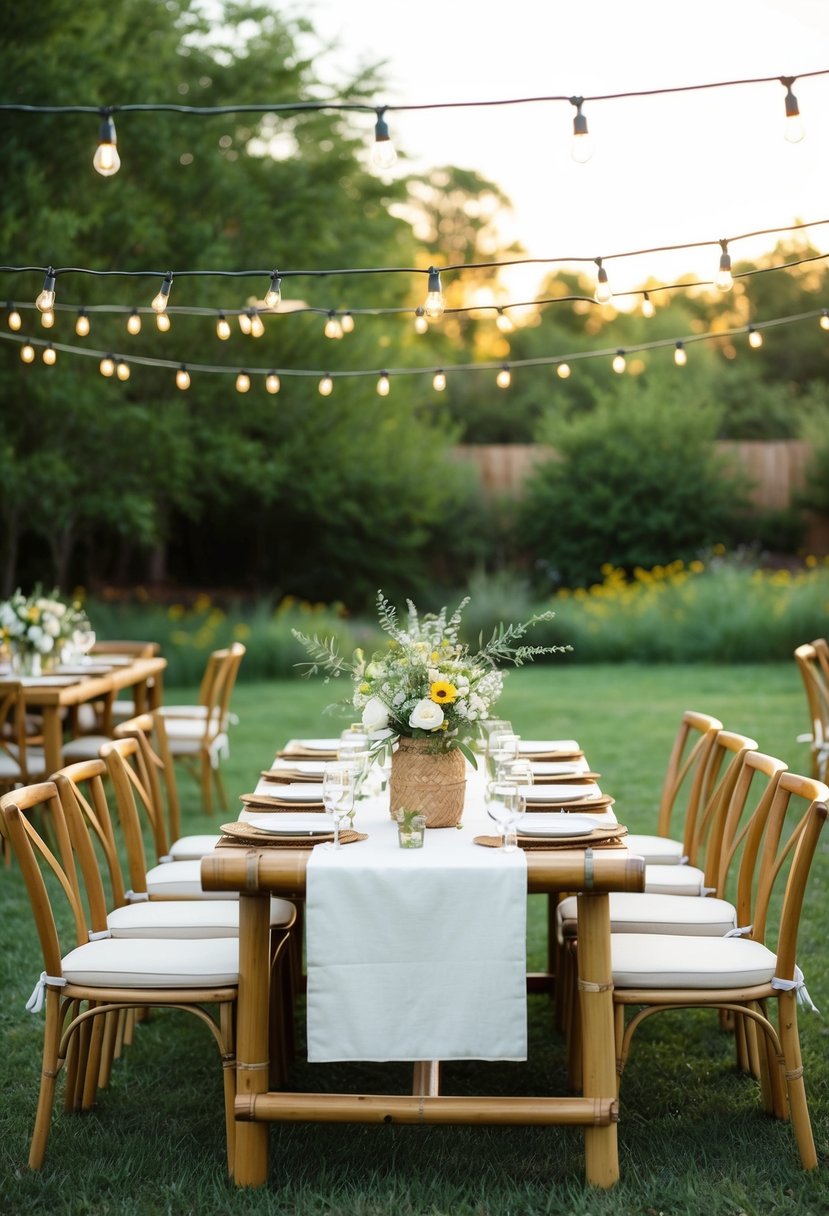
[258,873]
[143,676]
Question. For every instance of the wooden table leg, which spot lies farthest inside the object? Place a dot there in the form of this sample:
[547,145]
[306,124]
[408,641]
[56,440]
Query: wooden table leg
[52,739]
[601,1150]
[251,1153]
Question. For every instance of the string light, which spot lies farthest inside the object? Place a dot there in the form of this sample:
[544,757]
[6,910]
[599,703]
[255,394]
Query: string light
[242,382]
[439,381]
[222,328]
[504,322]
[793,127]
[245,322]
[326,386]
[434,303]
[50,355]
[106,160]
[755,338]
[163,322]
[723,280]
[603,294]
[383,153]
[47,318]
[82,323]
[383,385]
[347,323]
[582,146]
[333,328]
[563,371]
[272,382]
[107,366]
[680,355]
[27,353]
[257,325]
[504,377]
[134,322]
[273,295]
[15,321]
[162,296]
[183,378]
[46,299]
[420,323]
[619,362]
[824,319]
[648,309]
[122,370]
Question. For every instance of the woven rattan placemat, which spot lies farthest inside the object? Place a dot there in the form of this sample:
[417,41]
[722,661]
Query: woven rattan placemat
[244,834]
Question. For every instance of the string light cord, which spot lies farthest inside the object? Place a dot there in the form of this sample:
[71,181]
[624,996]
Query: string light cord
[374,373]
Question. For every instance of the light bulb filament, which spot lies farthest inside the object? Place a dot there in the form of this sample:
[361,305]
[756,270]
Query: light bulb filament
[434,303]
[45,301]
[106,160]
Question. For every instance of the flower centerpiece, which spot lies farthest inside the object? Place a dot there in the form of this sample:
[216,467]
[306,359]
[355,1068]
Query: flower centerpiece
[35,628]
[428,693]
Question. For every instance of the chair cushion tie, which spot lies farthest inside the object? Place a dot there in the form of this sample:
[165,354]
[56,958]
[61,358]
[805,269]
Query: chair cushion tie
[740,931]
[799,986]
[96,937]
[35,1001]
[136,897]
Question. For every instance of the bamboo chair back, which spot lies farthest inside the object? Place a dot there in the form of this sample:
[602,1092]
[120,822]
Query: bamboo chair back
[83,799]
[150,768]
[684,776]
[138,650]
[217,687]
[717,780]
[813,664]
[14,729]
[123,761]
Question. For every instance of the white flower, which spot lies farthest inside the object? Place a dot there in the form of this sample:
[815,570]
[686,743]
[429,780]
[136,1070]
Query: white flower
[51,624]
[426,715]
[375,714]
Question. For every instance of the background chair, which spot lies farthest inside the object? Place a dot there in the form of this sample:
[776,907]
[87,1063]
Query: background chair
[813,664]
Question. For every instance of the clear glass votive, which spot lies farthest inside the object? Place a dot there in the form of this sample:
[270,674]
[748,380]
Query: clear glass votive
[411,829]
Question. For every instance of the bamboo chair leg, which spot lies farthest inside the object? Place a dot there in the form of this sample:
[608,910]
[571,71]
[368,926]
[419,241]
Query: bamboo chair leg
[574,1033]
[71,1064]
[741,1032]
[93,1064]
[773,1079]
[118,1050]
[226,1024]
[129,1027]
[108,1048]
[48,1074]
[206,783]
[83,1035]
[793,1064]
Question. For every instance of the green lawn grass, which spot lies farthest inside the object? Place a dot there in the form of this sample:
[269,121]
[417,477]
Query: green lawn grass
[692,1137]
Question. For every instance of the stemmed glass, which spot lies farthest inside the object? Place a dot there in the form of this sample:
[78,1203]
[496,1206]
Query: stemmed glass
[501,747]
[82,642]
[505,804]
[354,749]
[338,783]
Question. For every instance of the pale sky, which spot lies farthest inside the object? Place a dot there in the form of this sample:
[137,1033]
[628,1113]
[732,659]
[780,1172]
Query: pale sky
[665,170]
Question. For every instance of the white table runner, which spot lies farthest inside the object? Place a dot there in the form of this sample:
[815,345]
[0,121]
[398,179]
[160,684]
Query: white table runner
[417,954]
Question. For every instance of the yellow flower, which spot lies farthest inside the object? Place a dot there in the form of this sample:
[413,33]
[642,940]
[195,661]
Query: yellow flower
[443,693]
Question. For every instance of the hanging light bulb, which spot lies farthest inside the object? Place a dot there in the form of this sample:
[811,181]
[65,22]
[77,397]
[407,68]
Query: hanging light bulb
[134,322]
[680,355]
[162,296]
[602,294]
[82,323]
[504,377]
[163,322]
[333,328]
[619,363]
[439,381]
[420,323]
[326,386]
[107,365]
[347,323]
[244,321]
[46,299]
[823,322]
[755,338]
[504,322]
[122,370]
[582,147]
[648,309]
[793,127]
[49,355]
[223,327]
[106,160]
[563,370]
[257,325]
[47,318]
[242,382]
[383,154]
[723,280]
[274,293]
[434,305]
[272,382]
[27,353]
[182,378]
[383,385]
[14,318]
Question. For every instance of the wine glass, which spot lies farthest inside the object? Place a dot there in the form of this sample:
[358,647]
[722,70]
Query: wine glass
[505,804]
[83,640]
[519,770]
[338,795]
[501,747]
[354,749]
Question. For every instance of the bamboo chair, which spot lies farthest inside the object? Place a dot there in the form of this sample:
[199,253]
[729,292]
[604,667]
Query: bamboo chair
[196,736]
[89,717]
[741,975]
[98,976]
[813,665]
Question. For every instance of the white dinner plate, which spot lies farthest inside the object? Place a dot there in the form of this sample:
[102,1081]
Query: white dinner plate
[556,768]
[560,793]
[311,767]
[294,791]
[557,824]
[531,747]
[318,745]
[286,824]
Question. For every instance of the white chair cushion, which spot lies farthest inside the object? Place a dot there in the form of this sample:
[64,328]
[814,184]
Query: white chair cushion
[192,848]
[656,850]
[181,880]
[35,760]
[674,880]
[85,747]
[634,912]
[154,963]
[176,918]
[648,960]
[9,768]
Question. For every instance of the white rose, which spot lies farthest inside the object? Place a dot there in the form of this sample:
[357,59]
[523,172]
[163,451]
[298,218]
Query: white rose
[375,714]
[426,715]
[51,624]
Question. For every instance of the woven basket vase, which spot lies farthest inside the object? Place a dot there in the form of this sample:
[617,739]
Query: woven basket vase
[433,783]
